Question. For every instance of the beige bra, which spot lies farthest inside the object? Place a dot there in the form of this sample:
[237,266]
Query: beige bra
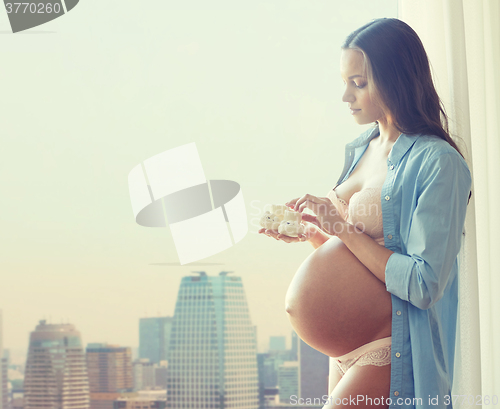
[363,211]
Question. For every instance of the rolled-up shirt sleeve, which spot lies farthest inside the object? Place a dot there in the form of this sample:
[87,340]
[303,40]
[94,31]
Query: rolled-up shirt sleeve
[435,233]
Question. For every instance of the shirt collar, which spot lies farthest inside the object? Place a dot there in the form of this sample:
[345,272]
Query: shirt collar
[398,150]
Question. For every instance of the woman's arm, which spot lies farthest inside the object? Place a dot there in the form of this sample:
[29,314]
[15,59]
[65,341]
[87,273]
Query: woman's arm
[434,233]
[368,251]
[319,238]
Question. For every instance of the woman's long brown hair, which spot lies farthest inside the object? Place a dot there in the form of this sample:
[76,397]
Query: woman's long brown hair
[399,77]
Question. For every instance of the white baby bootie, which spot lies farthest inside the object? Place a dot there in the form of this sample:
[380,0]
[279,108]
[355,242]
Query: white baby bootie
[271,220]
[291,225]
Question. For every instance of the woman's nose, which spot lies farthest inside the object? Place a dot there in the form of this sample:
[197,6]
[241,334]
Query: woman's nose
[348,97]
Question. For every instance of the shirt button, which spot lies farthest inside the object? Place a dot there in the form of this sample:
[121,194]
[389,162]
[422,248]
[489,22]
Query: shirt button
[389,236]
[398,312]
[391,167]
[396,393]
[387,198]
[398,354]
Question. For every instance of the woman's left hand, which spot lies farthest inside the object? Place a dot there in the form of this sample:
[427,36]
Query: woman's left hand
[326,213]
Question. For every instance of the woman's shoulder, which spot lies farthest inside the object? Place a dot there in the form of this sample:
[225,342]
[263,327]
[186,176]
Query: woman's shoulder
[430,148]
[432,145]
[431,156]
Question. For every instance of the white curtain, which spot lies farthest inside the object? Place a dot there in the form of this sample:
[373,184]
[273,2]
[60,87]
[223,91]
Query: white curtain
[462,39]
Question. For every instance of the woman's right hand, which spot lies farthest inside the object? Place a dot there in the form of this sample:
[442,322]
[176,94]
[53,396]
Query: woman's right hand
[310,229]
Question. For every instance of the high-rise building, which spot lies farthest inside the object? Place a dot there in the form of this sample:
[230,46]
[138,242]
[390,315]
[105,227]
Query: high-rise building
[271,397]
[148,376]
[154,399]
[4,368]
[2,376]
[56,373]
[295,346]
[288,381]
[16,394]
[261,359]
[110,374]
[154,337]
[161,374]
[213,348]
[269,366]
[277,343]
[314,367]
[4,404]
[144,374]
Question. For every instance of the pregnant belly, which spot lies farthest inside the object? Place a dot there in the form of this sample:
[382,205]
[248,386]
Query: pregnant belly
[335,304]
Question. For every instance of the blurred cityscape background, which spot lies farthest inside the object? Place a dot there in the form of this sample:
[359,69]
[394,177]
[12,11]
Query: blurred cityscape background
[204,356]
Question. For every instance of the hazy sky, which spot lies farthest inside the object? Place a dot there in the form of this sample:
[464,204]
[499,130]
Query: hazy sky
[87,97]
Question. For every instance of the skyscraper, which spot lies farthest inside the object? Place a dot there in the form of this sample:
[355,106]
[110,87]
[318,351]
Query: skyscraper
[295,346]
[314,368]
[56,374]
[144,374]
[261,373]
[277,343]
[155,399]
[4,404]
[161,374]
[288,381]
[154,337]
[2,393]
[4,368]
[110,374]
[213,349]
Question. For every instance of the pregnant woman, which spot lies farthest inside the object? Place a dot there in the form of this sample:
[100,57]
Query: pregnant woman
[379,293]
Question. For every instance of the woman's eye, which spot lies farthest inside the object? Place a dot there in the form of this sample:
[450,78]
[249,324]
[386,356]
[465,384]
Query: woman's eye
[356,85]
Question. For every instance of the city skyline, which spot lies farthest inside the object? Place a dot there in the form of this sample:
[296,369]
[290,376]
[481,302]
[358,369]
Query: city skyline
[22,352]
[213,359]
[263,347]
[161,333]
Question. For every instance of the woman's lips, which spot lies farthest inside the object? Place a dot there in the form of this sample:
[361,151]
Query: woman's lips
[354,111]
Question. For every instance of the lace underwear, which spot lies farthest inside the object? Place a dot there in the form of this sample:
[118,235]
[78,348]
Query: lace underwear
[376,353]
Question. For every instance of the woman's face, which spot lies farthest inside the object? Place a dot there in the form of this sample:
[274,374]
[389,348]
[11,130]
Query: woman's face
[356,94]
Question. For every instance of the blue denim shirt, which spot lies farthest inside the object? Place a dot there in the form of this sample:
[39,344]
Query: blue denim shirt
[424,201]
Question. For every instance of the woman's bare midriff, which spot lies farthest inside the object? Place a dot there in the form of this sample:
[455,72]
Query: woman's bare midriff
[334,303]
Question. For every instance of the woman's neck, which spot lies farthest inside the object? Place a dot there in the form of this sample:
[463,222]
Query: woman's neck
[388,133]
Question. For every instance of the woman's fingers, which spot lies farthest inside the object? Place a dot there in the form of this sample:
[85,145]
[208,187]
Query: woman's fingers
[266,232]
[287,239]
[320,206]
[278,236]
[311,219]
[272,233]
[309,201]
